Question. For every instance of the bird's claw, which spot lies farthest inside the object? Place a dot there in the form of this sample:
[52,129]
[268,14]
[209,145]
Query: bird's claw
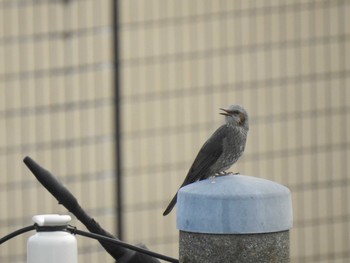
[222,173]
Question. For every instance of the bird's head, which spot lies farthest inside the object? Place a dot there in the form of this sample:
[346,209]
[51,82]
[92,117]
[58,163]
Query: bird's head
[236,115]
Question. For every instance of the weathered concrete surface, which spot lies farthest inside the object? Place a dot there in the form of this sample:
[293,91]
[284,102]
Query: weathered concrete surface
[222,248]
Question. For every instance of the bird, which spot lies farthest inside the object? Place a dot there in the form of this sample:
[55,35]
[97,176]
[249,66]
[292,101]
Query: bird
[223,148]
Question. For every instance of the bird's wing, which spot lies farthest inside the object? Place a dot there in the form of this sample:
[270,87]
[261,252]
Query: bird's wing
[207,155]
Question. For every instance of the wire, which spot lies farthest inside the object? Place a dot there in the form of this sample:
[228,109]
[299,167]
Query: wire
[16,233]
[73,230]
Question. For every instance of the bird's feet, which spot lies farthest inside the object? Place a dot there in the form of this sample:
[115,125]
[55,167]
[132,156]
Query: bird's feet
[227,173]
[222,173]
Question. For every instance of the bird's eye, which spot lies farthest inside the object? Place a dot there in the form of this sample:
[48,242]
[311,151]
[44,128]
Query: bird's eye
[236,112]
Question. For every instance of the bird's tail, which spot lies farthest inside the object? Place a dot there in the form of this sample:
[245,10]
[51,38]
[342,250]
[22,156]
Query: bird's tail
[171,205]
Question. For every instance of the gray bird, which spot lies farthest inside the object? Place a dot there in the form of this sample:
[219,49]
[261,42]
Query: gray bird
[220,151]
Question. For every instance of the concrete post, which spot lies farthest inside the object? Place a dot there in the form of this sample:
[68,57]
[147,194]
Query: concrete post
[234,218]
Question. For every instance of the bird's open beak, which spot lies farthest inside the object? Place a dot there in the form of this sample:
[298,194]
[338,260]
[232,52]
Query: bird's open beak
[226,112]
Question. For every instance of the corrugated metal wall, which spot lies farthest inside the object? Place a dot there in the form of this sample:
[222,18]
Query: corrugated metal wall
[56,93]
[287,62]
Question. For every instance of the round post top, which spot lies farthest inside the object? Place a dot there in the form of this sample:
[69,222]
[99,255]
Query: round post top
[234,204]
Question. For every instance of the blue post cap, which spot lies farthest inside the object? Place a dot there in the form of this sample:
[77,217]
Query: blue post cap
[234,204]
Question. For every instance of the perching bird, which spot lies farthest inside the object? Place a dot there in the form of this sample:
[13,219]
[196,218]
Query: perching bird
[220,151]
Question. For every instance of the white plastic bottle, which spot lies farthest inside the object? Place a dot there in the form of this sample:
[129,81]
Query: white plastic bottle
[52,244]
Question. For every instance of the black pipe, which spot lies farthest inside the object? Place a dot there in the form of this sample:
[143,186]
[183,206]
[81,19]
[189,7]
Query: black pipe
[68,200]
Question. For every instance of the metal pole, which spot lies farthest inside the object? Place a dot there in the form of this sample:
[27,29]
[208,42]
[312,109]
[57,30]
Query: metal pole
[118,154]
